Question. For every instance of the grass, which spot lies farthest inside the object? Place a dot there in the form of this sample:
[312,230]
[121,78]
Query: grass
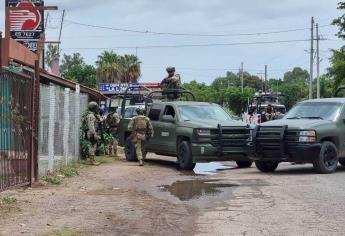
[7,203]
[7,200]
[63,232]
[57,176]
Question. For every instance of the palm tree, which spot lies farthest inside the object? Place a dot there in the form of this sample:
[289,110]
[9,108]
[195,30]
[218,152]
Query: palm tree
[112,68]
[131,68]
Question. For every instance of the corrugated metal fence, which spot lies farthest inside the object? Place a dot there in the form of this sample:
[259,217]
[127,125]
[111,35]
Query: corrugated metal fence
[59,123]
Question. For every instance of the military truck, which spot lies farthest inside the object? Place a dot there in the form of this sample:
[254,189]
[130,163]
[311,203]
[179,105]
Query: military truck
[313,131]
[191,131]
[256,111]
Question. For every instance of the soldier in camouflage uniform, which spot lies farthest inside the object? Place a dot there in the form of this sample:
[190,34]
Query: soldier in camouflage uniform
[92,130]
[172,81]
[113,120]
[142,130]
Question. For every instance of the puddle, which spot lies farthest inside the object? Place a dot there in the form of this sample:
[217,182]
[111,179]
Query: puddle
[195,189]
[210,168]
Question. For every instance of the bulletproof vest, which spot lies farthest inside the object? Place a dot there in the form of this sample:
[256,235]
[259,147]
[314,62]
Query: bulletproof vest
[140,123]
[112,120]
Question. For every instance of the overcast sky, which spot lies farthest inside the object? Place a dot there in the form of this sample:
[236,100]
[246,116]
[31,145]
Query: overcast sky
[198,17]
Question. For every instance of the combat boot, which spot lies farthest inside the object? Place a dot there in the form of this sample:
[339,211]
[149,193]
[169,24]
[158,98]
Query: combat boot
[93,161]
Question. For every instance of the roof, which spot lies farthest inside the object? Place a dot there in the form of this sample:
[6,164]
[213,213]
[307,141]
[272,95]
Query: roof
[336,100]
[47,77]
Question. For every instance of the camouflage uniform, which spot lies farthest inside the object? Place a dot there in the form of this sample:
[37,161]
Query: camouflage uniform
[92,132]
[172,81]
[141,129]
[113,120]
[269,114]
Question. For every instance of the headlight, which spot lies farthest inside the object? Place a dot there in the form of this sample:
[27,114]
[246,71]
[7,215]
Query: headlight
[203,132]
[307,136]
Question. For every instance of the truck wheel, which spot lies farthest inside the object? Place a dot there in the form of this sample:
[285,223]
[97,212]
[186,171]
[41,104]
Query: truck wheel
[266,166]
[328,158]
[130,152]
[185,159]
[244,164]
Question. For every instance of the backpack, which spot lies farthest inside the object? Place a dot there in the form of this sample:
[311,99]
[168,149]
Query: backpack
[84,127]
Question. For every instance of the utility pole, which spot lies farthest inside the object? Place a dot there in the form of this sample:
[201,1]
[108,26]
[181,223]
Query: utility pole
[311,59]
[62,21]
[318,60]
[265,78]
[242,76]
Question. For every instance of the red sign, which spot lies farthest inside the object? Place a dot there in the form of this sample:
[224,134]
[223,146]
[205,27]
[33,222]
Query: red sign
[25,19]
[26,25]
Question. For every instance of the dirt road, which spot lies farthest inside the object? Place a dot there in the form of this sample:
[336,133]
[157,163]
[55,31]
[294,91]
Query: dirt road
[123,199]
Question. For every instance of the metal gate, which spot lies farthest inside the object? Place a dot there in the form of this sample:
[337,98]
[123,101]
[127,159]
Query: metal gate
[16,125]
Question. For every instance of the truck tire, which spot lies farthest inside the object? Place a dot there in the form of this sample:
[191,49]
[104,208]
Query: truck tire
[244,164]
[327,161]
[266,166]
[130,152]
[184,153]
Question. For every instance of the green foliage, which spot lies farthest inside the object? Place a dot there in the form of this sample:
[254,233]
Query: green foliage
[340,21]
[70,61]
[7,200]
[337,71]
[53,179]
[119,69]
[74,68]
[297,74]
[57,176]
[222,91]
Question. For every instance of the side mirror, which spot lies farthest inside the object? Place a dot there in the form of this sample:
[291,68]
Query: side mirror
[168,118]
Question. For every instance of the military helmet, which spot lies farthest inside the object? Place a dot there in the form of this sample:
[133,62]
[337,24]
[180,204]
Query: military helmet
[170,69]
[93,106]
[140,111]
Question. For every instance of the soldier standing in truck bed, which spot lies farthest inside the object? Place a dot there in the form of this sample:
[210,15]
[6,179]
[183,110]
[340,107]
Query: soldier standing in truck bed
[173,81]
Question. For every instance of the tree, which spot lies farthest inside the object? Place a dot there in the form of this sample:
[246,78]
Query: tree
[74,68]
[119,69]
[69,61]
[340,21]
[52,53]
[297,74]
[337,70]
[82,74]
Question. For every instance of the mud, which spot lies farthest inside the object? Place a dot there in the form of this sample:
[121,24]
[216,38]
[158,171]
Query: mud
[195,189]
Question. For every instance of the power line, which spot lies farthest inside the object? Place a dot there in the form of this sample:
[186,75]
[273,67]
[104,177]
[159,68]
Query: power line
[191,45]
[148,32]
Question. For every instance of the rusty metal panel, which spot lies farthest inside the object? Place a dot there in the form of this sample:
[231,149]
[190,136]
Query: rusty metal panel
[16,110]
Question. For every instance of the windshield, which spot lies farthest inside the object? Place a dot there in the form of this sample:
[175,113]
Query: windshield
[202,112]
[314,110]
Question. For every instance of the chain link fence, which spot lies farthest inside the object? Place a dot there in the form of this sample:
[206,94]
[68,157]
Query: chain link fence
[60,117]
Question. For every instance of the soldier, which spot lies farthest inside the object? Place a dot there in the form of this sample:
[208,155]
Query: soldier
[142,130]
[172,81]
[269,115]
[113,120]
[92,130]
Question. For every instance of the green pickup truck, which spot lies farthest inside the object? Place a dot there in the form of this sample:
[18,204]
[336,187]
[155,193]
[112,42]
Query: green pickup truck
[313,131]
[193,132]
